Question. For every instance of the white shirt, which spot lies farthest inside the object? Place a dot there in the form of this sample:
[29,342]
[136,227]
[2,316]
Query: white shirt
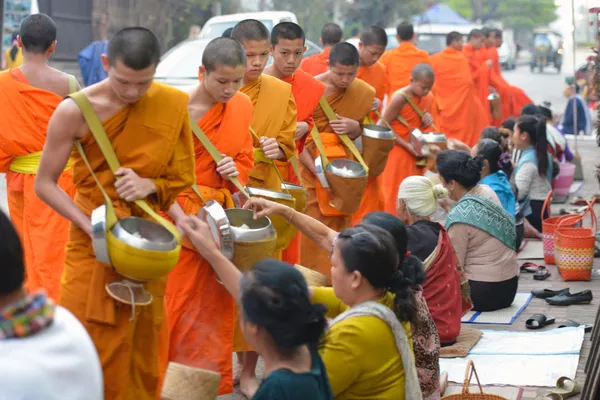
[58,363]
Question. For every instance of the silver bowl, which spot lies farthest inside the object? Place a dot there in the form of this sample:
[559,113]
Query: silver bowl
[290,186]
[216,218]
[260,229]
[493,96]
[419,139]
[356,170]
[377,132]
[99,234]
[252,191]
[321,172]
[152,236]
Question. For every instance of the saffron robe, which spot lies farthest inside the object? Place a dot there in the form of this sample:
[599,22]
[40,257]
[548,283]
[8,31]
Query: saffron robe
[354,102]
[498,83]
[316,64]
[153,138]
[480,72]
[399,63]
[401,164]
[44,233]
[372,200]
[307,91]
[200,309]
[459,115]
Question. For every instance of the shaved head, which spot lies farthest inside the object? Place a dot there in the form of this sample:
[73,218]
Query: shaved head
[422,71]
[286,31]
[487,32]
[38,32]
[374,36]
[250,29]
[453,37]
[474,34]
[405,31]
[331,34]
[344,54]
[227,33]
[223,51]
[138,48]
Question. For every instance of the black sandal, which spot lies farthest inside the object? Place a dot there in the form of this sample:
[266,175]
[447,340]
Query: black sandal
[570,323]
[542,273]
[538,321]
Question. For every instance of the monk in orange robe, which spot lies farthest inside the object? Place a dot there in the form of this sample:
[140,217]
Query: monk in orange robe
[402,161]
[370,48]
[148,127]
[200,310]
[480,71]
[352,100]
[460,115]
[490,52]
[517,96]
[28,96]
[287,49]
[274,122]
[401,60]
[331,34]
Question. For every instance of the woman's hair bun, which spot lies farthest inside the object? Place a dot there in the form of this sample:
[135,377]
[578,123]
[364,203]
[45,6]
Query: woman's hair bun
[440,192]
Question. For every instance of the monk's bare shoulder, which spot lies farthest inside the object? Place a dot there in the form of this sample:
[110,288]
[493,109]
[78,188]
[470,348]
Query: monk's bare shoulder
[68,119]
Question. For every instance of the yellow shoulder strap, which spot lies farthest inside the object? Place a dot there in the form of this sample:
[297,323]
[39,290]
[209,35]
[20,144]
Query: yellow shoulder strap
[214,153]
[419,112]
[72,84]
[253,132]
[331,116]
[111,158]
[319,143]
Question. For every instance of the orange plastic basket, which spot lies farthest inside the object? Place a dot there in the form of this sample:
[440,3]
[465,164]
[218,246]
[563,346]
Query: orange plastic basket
[574,249]
[466,395]
[550,224]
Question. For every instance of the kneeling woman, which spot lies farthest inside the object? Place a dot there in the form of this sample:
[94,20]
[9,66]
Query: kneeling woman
[481,231]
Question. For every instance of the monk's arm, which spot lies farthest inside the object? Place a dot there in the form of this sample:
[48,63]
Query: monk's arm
[307,161]
[391,112]
[179,173]
[287,133]
[62,132]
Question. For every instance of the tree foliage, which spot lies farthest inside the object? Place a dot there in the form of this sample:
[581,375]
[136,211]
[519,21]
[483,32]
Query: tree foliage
[519,14]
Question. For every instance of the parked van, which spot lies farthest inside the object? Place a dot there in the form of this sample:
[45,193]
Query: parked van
[215,26]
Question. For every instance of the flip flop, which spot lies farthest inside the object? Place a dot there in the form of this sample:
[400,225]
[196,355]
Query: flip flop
[529,267]
[566,387]
[538,321]
[541,273]
[578,201]
[570,323]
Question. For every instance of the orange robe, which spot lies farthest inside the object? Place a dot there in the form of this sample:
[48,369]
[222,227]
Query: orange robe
[517,96]
[354,102]
[316,64]
[498,83]
[372,200]
[307,91]
[401,164]
[480,72]
[201,311]
[400,63]
[26,111]
[153,138]
[459,114]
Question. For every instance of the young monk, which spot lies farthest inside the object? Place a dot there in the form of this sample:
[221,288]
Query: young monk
[28,96]
[370,48]
[480,70]
[517,96]
[402,161]
[331,34]
[352,100]
[274,121]
[287,50]
[489,52]
[460,113]
[200,310]
[401,60]
[148,127]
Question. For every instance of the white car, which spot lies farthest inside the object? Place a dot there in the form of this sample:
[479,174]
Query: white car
[215,26]
[179,66]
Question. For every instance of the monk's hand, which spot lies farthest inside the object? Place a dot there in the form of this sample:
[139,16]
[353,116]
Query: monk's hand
[426,120]
[263,207]
[411,149]
[376,104]
[301,130]
[346,126]
[131,187]
[198,232]
[227,168]
[271,148]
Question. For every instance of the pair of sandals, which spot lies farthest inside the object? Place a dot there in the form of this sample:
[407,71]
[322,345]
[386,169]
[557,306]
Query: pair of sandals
[539,321]
[565,388]
[540,272]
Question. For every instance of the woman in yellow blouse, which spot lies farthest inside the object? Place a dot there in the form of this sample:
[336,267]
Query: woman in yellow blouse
[13,56]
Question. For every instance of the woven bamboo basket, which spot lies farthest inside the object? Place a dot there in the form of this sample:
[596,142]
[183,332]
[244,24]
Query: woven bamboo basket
[466,395]
[189,383]
[549,226]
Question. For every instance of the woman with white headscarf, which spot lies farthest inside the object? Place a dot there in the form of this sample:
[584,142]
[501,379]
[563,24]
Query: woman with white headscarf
[446,288]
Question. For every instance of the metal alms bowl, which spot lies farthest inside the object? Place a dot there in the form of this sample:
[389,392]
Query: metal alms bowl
[290,186]
[99,234]
[419,139]
[144,234]
[321,172]
[252,191]
[216,218]
[377,132]
[260,229]
[355,169]
[493,96]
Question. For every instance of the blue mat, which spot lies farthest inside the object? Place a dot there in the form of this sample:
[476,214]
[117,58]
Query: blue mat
[506,316]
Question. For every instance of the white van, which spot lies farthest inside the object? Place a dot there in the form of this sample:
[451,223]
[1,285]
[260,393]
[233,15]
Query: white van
[215,26]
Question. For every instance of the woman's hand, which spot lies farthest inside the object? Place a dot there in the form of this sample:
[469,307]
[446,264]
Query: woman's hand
[263,207]
[198,232]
